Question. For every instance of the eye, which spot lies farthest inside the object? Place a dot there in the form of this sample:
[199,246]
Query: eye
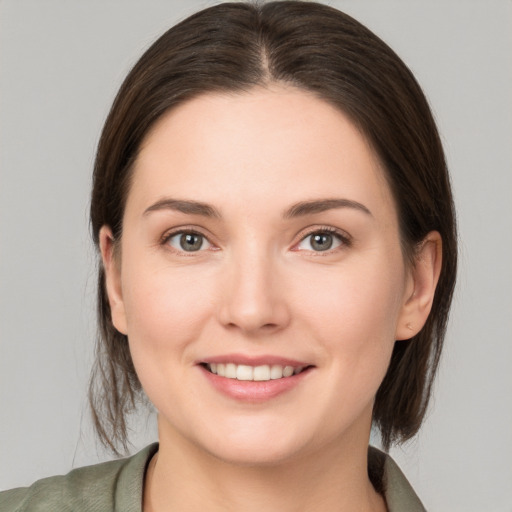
[321,241]
[188,241]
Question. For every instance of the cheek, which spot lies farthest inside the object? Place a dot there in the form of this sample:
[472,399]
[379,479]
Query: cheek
[167,311]
[353,314]
[363,299]
[165,307]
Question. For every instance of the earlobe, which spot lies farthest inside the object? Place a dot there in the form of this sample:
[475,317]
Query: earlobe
[419,296]
[111,265]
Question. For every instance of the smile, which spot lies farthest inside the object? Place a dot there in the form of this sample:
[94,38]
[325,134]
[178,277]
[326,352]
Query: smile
[259,373]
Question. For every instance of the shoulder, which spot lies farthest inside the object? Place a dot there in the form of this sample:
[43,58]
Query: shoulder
[398,492]
[115,485]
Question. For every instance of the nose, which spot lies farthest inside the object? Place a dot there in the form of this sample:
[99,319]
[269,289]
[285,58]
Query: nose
[254,294]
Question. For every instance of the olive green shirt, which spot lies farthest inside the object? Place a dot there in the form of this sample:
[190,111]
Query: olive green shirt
[117,486]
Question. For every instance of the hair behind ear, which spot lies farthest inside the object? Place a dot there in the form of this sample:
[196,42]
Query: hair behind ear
[114,388]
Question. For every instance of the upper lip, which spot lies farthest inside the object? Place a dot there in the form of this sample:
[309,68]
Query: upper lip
[254,360]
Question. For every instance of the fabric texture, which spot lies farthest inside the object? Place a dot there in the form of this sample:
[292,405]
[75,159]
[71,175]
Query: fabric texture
[117,486]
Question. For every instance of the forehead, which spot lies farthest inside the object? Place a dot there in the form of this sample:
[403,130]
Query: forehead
[258,145]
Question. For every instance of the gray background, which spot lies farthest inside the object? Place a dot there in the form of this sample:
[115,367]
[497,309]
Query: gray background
[61,62]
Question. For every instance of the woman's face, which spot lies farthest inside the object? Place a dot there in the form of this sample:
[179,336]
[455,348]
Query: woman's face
[260,241]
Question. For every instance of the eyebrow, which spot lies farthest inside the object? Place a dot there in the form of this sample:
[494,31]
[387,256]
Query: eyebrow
[299,209]
[321,205]
[184,206]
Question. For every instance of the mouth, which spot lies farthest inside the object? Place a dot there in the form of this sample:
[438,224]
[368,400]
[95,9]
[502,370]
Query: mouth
[260,373]
[254,379]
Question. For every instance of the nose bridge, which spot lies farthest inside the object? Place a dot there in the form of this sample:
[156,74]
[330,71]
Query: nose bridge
[253,298]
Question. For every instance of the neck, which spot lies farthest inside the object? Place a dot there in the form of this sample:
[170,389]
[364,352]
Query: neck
[182,477]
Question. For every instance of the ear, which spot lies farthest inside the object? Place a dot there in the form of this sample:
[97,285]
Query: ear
[112,267]
[421,286]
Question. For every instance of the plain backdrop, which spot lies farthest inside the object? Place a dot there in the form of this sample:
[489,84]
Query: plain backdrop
[61,62]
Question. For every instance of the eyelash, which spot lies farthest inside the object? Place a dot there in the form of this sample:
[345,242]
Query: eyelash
[343,238]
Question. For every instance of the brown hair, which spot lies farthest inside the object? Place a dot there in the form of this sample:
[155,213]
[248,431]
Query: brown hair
[234,47]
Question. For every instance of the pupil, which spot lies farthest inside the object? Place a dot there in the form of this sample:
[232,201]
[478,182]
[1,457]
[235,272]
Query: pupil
[321,242]
[191,242]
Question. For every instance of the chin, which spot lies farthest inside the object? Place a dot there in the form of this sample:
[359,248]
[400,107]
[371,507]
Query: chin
[250,443]
[255,454]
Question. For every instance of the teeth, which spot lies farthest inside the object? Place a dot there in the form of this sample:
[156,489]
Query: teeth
[231,371]
[287,371]
[255,373]
[262,372]
[276,372]
[244,372]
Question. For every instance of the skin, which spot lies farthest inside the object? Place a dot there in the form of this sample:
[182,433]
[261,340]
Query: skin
[258,287]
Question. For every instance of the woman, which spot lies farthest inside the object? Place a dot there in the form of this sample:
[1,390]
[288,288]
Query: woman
[274,217]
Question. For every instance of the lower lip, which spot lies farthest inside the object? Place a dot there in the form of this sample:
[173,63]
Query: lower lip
[254,391]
